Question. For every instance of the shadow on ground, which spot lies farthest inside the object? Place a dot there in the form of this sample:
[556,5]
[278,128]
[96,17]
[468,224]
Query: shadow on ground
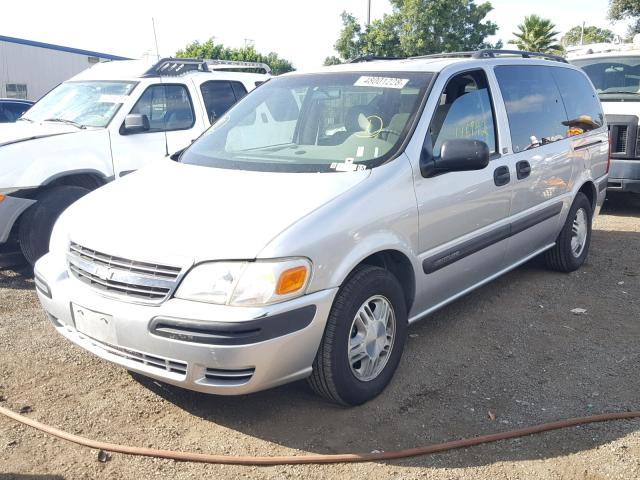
[18,277]
[512,348]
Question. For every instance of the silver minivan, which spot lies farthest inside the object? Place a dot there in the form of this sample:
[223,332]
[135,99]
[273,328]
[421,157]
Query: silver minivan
[301,234]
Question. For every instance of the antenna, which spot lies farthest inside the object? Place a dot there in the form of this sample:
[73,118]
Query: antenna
[155,37]
[166,142]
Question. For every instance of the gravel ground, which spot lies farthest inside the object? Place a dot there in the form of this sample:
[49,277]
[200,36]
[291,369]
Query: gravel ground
[513,348]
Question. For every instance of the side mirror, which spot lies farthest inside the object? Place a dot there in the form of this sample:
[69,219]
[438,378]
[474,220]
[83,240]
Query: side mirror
[456,155]
[135,123]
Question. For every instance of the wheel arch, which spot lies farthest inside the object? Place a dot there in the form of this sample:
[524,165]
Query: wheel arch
[588,188]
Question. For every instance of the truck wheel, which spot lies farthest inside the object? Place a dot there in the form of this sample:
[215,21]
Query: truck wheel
[572,245]
[37,221]
[363,339]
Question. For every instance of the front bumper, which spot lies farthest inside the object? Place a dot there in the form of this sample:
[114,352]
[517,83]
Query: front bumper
[10,209]
[624,176]
[217,358]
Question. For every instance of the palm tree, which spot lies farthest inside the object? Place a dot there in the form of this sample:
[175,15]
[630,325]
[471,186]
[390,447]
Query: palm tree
[537,35]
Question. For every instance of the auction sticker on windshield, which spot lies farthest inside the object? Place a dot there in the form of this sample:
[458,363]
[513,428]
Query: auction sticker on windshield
[384,82]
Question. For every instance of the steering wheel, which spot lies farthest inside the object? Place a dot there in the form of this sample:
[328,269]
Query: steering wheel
[387,131]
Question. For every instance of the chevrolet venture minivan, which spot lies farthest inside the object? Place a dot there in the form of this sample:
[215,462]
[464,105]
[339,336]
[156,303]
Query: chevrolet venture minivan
[303,232]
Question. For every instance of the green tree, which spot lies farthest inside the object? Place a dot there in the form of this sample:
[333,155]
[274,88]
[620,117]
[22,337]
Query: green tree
[591,35]
[332,60]
[623,9]
[418,27]
[536,34]
[217,51]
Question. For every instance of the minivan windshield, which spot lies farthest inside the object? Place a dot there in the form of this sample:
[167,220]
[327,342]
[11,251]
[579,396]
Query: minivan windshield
[315,123]
[84,104]
[615,78]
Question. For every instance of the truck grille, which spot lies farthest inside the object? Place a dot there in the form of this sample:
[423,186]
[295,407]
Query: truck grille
[139,281]
[620,142]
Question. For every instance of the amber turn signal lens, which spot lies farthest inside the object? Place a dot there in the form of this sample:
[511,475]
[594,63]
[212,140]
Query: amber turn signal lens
[291,280]
[2,197]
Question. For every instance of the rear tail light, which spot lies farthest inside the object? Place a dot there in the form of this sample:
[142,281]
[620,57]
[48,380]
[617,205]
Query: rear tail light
[609,154]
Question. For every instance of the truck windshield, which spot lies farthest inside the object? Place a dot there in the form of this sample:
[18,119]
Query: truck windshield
[313,123]
[615,78]
[84,104]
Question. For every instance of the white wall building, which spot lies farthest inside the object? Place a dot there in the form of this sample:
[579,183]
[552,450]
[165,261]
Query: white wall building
[30,69]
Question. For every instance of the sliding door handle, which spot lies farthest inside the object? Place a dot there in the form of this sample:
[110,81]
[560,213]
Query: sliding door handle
[501,176]
[523,169]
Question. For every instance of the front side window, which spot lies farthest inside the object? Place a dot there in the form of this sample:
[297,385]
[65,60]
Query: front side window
[87,103]
[464,111]
[616,78]
[318,122]
[167,107]
[534,107]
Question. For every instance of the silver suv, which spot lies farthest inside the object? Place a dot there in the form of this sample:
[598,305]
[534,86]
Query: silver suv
[324,213]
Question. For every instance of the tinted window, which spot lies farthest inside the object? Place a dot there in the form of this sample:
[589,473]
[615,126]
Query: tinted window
[534,107]
[168,107]
[218,97]
[239,90]
[583,109]
[464,111]
[16,109]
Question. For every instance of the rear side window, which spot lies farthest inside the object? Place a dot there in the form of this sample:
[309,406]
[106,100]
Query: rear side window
[219,96]
[583,108]
[534,107]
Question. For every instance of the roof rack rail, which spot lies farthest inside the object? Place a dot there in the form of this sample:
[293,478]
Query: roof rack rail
[373,58]
[224,64]
[173,67]
[495,53]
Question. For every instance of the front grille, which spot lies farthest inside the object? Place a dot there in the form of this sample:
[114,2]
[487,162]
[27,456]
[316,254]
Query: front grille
[140,281]
[154,361]
[620,142]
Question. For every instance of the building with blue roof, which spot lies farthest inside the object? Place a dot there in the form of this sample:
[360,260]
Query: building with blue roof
[29,69]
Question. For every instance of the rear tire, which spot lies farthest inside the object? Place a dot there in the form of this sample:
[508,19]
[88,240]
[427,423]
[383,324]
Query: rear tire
[37,221]
[378,339]
[572,245]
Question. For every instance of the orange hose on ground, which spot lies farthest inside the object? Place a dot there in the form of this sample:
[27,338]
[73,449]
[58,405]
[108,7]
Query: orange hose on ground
[319,458]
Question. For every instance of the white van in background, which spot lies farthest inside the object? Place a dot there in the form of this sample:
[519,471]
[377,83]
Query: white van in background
[102,124]
[614,70]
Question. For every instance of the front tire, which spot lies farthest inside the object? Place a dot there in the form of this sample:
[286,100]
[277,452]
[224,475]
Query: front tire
[363,339]
[572,245]
[37,221]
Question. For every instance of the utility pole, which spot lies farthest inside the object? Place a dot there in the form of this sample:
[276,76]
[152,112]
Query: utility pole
[582,34]
[155,37]
[368,12]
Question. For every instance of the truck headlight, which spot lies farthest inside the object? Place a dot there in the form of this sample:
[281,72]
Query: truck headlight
[246,283]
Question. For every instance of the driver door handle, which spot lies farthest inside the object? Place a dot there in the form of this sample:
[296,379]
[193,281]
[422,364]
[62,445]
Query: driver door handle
[501,176]
[523,169]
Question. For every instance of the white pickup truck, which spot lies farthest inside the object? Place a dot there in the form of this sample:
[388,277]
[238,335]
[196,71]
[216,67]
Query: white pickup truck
[100,125]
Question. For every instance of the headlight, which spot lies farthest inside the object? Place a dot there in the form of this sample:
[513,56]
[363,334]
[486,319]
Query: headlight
[246,283]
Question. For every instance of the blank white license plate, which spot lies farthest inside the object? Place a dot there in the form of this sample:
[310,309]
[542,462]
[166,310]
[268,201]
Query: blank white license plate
[96,325]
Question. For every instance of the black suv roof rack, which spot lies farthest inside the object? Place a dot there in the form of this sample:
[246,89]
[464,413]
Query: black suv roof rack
[173,67]
[485,53]
[495,53]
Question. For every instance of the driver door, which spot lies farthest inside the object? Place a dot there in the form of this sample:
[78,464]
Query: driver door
[173,124]
[463,216]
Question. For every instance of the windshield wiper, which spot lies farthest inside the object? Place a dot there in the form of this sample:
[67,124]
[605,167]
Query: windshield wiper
[24,119]
[619,92]
[64,120]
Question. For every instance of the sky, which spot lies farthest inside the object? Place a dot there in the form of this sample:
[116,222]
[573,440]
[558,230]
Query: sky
[299,30]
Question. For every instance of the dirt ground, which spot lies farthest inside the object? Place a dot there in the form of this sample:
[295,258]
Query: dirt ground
[512,347]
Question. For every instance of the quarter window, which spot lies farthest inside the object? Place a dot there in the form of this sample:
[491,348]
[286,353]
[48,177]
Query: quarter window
[219,96]
[464,111]
[534,107]
[580,101]
[168,107]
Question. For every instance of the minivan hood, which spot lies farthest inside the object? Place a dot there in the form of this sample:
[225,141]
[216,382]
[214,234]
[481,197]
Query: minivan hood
[24,130]
[174,213]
